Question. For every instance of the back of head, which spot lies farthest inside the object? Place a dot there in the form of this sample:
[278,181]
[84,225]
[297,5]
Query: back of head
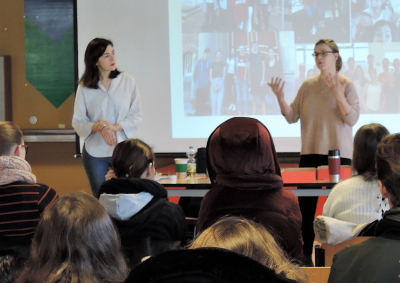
[366,141]
[388,166]
[75,242]
[242,149]
[251,239]
[10,136]
[131,158]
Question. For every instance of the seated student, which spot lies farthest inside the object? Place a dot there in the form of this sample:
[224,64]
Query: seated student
[358,199]
[244,170]
[211,265]
[75,242]
[251,239]
[377,259]
[147,222]
[22,199]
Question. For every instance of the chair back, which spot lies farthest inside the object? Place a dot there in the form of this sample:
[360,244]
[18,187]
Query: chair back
[317,274]
[331,250]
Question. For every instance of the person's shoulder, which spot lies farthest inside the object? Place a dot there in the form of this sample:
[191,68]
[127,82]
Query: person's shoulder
[27,185]
[308,83]
[288,196]
[125,76]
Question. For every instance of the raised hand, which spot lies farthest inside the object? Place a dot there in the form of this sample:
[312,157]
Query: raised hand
[277,84]
[336,87]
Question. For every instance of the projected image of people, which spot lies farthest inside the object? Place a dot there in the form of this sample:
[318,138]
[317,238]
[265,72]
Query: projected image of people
[313,19]
[228,15]
[229,78]
[256,75]
[201,80]
[375,21]
[231,49]
[217,89]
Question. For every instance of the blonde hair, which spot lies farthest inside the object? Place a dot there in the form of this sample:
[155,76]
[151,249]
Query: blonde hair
[251,239]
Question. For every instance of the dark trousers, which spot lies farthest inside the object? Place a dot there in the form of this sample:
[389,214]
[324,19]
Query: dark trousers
[202,104]
[308,205]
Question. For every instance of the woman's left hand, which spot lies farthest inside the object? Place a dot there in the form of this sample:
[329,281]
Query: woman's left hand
[336,87]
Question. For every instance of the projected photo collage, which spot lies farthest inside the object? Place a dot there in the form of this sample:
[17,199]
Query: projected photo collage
[232,49]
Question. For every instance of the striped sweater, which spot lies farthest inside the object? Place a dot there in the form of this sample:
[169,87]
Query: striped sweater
[21,207]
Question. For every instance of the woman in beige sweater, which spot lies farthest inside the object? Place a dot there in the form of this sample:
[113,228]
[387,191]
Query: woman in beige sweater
[328,108]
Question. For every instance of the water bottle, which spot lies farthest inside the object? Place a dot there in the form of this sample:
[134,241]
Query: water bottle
[191,154]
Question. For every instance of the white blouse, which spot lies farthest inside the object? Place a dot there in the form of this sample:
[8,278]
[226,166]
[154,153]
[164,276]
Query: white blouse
[119,105]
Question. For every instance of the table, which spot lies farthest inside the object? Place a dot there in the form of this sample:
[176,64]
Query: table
[199,186]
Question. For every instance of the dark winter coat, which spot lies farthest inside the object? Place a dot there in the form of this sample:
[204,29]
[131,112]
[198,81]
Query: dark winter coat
[244,169]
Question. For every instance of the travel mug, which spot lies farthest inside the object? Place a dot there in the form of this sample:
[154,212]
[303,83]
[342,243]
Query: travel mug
[334,165]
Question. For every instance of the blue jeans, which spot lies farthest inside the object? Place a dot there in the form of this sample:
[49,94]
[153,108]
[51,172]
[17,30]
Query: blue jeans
[217,98]
[242,102]
[96,168]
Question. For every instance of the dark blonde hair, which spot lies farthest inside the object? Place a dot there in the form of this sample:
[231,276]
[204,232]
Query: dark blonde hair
[10,135]
[366,141]
[332,45]
[131,158]
[251,239]
[75,242]
[388,166]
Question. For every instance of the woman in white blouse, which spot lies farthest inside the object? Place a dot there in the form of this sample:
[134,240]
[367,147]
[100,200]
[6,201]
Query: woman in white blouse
[358,199]
[107,109]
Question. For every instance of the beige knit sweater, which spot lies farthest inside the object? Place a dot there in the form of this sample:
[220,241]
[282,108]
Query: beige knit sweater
[323,127]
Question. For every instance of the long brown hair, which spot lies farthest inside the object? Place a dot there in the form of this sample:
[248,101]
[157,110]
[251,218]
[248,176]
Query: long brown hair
[94,51]
[251,239]
[366,141]
[131,158]
[10,135]
[75,242]
[332,44]
[388,166]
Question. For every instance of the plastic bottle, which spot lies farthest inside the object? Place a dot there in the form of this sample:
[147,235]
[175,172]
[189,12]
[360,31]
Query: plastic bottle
[191,154]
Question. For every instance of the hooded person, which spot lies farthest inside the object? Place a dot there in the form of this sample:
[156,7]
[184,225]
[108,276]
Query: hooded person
[147,222]
[244,170]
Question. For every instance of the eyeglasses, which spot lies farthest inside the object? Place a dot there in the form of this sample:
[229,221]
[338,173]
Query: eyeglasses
[323,54]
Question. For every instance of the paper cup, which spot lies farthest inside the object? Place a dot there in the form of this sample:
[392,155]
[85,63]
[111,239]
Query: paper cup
[181,167]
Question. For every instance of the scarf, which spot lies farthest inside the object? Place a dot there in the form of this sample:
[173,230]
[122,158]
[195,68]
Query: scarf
[13,169]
